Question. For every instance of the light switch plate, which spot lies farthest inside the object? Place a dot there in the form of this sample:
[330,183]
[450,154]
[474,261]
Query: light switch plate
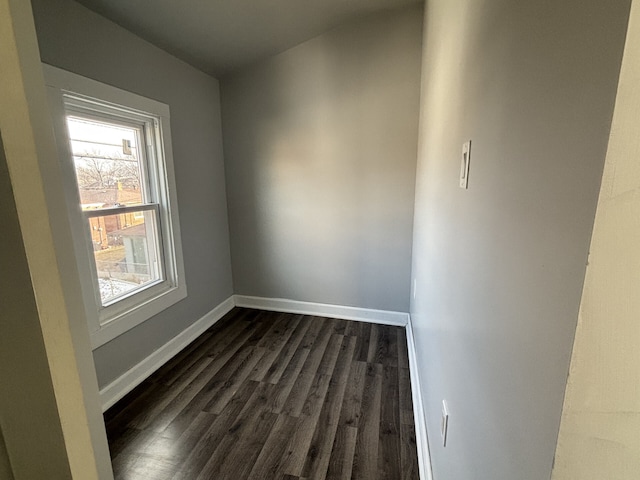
[444,425]
[464,165]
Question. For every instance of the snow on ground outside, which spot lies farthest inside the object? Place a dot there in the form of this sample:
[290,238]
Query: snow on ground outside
[110,287]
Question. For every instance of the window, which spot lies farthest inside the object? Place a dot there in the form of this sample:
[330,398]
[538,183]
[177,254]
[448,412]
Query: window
[117,168]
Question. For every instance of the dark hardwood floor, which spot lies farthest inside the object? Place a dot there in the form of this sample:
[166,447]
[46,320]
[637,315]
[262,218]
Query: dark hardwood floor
[263,395]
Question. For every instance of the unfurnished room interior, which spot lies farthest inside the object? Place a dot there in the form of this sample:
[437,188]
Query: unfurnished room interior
[322,239]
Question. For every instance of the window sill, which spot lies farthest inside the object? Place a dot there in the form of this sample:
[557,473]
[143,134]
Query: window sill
[139,314]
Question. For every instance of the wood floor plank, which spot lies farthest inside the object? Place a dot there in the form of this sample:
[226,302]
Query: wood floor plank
[133,405]
[272,457]
[173,369]
[281,391]
[305,428]
[210,348]
[275,330]
[350,412]
[277,368]
[263,322]
[404,396]
[401,343]
[319,453]
[265,395]
[172,451]
[363,334]
[122,468]
[330,356]
[342,369]
[340,326]
[315,327]
[181,362]
[372,353]
[274,342]
[408,453]
[392,348]
[132,441]
[387,346]
[365,462]
[298,396]
[237,453]
[316,396]
[342,453]
[149,467]
[162,401]
[190,374]
[208,442]
[185,444]
[195,396]
[383,345]
[240,446]
[231,382]
[351,328]
[389,434]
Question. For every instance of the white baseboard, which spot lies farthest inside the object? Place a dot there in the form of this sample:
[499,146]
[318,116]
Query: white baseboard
[134,376]
[424,459]
[384,317]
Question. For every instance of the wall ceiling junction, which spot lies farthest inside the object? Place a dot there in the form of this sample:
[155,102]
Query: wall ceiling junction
[219,36]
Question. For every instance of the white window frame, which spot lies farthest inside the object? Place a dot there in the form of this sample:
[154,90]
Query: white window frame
[106,323]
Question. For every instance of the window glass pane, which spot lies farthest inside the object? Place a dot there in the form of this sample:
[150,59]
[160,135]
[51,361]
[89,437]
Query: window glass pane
[107,161]
[125,248]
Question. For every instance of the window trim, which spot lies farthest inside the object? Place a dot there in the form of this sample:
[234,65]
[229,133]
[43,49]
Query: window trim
[156,298]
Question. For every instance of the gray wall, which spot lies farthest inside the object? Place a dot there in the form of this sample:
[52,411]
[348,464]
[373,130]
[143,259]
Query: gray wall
[320,151]
[75,39]
[500,266]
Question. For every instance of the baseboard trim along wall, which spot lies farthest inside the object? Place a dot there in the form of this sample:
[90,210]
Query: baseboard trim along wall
[424,459]
[138,373]
[384,317]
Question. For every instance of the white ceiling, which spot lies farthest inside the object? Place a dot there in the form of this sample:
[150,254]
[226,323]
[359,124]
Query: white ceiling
[218,36]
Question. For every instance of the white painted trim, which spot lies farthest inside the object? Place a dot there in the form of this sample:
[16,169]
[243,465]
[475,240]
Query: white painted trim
[384,317]
[69,89]
[424,459]
[134,376]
